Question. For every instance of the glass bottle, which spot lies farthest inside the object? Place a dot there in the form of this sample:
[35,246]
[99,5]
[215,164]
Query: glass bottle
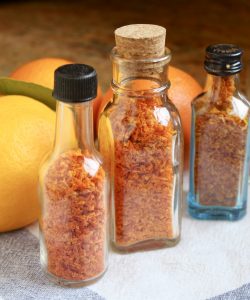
[219,159]
[140,138]
[73,188]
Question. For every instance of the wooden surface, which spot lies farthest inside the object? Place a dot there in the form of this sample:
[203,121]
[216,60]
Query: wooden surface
[83,31]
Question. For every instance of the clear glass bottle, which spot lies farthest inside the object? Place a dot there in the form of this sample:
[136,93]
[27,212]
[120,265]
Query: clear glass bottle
[219,159]
[73,186]
[140,138]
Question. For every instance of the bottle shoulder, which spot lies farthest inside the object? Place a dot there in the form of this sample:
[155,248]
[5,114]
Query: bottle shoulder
[236,104]
[139,124]
[91,161]
[132,109]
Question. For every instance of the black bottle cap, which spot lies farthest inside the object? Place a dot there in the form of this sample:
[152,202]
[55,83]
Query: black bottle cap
[75,83]
[223,59]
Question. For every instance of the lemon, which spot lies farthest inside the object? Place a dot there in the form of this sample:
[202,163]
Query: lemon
[26,135]
[106,142]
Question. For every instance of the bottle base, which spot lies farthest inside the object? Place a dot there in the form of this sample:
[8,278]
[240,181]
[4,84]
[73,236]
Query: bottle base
[145,245]
[72,283]
[215,212]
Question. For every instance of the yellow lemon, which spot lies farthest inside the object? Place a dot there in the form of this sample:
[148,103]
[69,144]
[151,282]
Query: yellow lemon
[41,71]
[106,142]
[26,135]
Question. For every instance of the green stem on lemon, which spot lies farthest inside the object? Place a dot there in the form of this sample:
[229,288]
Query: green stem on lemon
[38,92]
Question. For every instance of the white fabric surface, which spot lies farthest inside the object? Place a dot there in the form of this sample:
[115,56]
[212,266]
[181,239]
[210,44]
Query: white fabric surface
[213,257]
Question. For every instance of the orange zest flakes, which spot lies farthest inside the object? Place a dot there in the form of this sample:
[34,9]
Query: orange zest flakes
[143,171]
[220,142]
[74,219]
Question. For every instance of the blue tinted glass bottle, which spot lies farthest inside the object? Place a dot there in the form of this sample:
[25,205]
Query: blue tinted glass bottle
[219,158]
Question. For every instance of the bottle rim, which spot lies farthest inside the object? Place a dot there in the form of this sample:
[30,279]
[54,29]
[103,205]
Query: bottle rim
[163,59]
[140,63]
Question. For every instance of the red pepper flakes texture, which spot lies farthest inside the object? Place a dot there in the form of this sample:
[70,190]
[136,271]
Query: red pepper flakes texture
[74,219]
[143,171]
[220,142]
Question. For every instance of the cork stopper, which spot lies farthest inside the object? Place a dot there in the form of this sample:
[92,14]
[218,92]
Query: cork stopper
[140,41]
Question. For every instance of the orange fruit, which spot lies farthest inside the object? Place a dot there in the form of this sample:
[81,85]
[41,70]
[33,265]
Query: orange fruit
[41,71]
[184,88]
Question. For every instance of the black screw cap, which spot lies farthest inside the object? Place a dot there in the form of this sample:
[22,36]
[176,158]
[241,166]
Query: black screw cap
[223,59]
[75,83]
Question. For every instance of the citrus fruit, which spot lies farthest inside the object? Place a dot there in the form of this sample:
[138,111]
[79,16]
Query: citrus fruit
[26,135]
[107,98]
[184,88]
[41,71]
[106,145]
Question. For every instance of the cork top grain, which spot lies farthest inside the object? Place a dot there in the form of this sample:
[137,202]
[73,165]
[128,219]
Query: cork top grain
[140,41]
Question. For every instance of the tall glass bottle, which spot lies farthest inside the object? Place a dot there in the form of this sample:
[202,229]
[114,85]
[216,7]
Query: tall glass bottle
[219,158]
[73,221]
[140,138]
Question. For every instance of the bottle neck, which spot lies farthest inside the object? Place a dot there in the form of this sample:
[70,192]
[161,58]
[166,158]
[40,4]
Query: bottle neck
[223,86]
[140,74]
[74,126]
[222,90]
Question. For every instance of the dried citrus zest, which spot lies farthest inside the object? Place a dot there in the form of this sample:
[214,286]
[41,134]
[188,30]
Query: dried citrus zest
[74,219]
[220,141]
[143,171]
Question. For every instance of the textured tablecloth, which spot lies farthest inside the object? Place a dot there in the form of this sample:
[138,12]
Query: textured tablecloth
[212,260]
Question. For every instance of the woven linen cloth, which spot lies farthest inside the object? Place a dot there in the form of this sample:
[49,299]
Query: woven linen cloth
[212,261]
[21,277]
[242,293]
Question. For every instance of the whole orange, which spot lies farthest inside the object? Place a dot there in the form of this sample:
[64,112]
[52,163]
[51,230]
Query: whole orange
[41,71]
[184,88]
